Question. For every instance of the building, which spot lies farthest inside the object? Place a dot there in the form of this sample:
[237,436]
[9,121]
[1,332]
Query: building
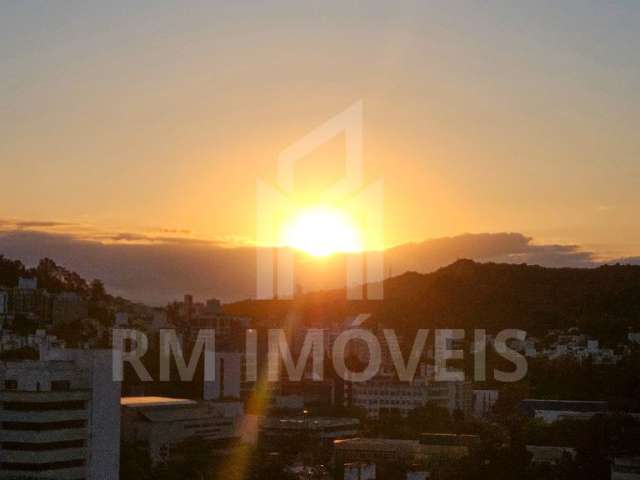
[551,411]
[293,403]
[159,320]
[161,423]
[448,445]
[483,402]
[359,471]
[4,307]
[227,379]
[454,396]
[4,302]
[633,337]
[27,283]
[417,475]
[312,392]
[377,450]
[384,394]
[68,307]
[214,306]
[29,301]
[39,341]
[229,329]
[121,320]
[374,457]
[549,455]
[319,431]
[60,417]
[625,468]
[432,450]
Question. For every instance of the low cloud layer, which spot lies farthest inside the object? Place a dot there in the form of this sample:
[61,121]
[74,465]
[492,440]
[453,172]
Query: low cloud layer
[156,269]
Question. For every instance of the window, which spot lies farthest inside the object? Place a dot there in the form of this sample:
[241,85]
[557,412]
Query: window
[10,384]
[60,386]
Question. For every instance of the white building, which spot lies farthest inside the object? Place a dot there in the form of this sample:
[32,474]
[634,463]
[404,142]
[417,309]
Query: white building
[161,423]
[60,417]
[384,393]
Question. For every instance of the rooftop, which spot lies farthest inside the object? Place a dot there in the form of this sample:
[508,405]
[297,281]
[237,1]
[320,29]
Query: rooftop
[310,422]
[377,444]
[154,402]
[566,405]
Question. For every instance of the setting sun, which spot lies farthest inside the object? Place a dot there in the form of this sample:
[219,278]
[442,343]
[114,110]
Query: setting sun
[321,232]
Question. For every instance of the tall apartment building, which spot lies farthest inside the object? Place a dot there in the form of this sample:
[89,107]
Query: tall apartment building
[60,417]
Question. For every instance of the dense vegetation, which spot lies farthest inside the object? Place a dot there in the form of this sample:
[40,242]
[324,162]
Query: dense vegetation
[55,279]
[603,302]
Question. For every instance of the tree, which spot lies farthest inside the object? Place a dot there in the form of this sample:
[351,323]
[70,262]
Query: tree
[135,463]
[97,291]
[24,325]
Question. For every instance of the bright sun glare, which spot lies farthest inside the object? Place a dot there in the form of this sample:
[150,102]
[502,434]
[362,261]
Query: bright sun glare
[321,232]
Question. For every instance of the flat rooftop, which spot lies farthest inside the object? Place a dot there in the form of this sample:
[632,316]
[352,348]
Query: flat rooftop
[155,402]
[376,444]
[566,405]
[310,422]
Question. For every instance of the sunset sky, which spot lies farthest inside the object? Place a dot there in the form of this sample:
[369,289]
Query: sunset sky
[478,116]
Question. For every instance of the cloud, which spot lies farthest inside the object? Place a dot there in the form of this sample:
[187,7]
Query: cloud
[488,247]
[158,269]
[40,224]
[9,224]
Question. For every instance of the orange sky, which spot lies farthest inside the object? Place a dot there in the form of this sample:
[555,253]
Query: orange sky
[161,120]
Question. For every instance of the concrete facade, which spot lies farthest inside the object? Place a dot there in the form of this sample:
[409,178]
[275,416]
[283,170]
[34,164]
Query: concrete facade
[60,417]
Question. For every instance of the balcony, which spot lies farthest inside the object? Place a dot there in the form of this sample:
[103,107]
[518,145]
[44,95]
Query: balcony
[48,456]
[43,437]
[76,473]
[42,416]
[21,396]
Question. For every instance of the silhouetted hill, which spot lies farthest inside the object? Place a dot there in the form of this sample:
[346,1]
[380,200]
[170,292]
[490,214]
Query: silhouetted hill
[603,301]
